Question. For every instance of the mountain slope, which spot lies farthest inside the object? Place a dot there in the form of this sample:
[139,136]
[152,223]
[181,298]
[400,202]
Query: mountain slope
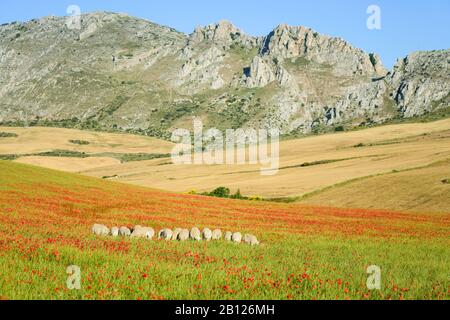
[124,73]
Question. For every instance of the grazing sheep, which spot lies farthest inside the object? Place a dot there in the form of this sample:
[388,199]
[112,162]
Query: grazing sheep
[183,235]
[207,234]
[254,241]
[236,237]
[217,234]
[124,232]
[137,233]
[175,234]
[150,233]
[115,232]
[228,235]
[100,230]
[251,240]
[165,234]
[195,234]
[141,232]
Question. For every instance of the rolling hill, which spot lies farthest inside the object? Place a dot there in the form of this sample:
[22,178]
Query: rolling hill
[418,190]
[306,252]
[409,161]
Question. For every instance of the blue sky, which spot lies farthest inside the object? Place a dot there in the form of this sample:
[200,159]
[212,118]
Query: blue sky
[406,25]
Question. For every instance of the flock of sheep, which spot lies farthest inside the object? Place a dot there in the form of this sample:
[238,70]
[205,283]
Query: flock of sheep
[175,235]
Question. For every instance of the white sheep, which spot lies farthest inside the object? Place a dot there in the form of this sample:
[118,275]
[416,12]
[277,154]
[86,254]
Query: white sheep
[114,232]
[217,234]
[195,234]
[251,240]
[100,230]
[228,236]
[175,234]
[236,237]
[137,232]
[183,235]
[207,234]
[165,234]
[141,232]
[124,232]
[150,233]
[254,241]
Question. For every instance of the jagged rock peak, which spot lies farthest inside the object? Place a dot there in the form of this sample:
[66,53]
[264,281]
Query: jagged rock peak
[422,82]
[223,32]
[286,42]
[284,39]
[421,62]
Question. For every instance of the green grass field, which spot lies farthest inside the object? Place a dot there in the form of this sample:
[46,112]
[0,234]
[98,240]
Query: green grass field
[306,252]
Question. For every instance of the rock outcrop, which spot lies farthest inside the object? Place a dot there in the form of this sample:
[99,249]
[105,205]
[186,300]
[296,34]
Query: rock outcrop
[223,33]
[286,42]
[421,82]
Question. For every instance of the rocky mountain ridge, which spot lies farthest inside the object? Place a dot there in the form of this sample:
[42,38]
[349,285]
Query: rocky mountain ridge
[124,73]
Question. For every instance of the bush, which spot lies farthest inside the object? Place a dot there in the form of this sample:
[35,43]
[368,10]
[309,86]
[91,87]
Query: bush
[80,142]
[238,196]
[221,192]
[320,162]
[8,135]
[255,198]
[63,154]
[132,157]
[8,157]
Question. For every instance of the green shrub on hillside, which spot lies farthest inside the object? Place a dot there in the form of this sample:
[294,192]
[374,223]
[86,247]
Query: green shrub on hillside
[63,154]
[8,135]
[225,193]
[220,192]
[8,157]
[130,157]
[79,142]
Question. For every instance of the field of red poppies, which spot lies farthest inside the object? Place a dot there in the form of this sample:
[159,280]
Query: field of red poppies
[305,252]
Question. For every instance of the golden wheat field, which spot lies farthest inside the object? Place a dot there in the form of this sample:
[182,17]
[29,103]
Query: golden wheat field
[102,146]
[398,167]
[417,190]
[41,139]
[389,148]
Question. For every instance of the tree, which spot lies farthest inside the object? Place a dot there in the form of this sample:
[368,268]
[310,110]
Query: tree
[221,192]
